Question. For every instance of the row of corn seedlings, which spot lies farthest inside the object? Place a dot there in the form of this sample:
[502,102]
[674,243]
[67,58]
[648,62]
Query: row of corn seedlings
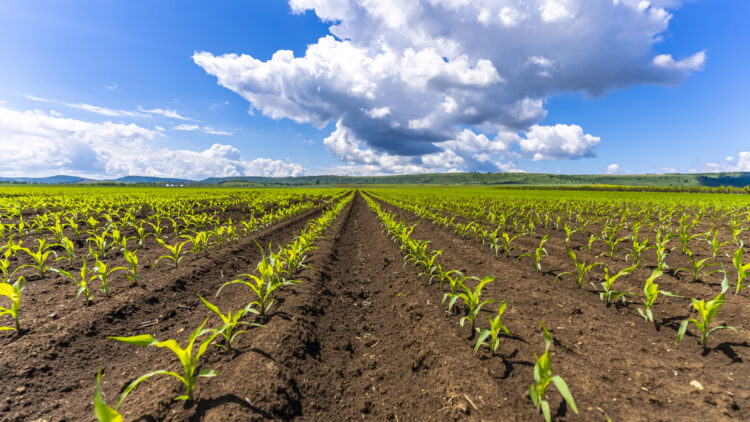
[275,269]
[462,287]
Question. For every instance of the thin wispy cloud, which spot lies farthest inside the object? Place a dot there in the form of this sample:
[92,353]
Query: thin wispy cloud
[172,114]
[205,129]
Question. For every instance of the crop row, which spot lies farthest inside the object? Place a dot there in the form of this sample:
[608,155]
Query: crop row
[105,242]
[706,309]
[275,270]
[468,289]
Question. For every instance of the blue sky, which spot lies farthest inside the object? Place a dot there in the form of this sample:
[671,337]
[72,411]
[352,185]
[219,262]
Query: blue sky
[558,104]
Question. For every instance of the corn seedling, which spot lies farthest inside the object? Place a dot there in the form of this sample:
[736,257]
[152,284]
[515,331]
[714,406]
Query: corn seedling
[185,356]
[611,239]
[496,325]
[715,246]
[537,256]
[82,282]
[470,298]
[5,267]
[200,242]
[706,311]
[175,252]
[637,251]
[69,248]
[230,321]
[12,292]
[650,293]
[698,267]
[101,241]
[590,243]
[609,294]
[132,259]
[140,233]
[543,377]
[102,411]
[743,270]
[582,268]
[101,271]
[505,241]
[39,257]
[269,268]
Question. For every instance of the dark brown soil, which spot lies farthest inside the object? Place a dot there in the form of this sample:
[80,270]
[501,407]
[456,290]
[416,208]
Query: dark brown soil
[615,362]
[365,337]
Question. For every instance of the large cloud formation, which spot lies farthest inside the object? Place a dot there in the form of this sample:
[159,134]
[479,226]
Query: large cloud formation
[40,144]
[404,80]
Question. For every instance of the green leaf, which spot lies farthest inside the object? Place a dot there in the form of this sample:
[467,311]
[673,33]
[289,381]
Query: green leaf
[682,330]
[482,337]
[103,412]
[562,387]
[207,373]
[141,340]
[142,378]
[545,410]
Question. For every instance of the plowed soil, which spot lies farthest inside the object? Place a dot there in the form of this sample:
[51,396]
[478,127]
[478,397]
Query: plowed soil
[615,363]
[365,337]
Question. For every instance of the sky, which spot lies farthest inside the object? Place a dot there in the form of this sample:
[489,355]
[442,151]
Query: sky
[197,89]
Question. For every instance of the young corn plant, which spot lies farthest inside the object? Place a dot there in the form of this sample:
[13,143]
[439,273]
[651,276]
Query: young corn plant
[504,242]
[230,321]
[661,249]
[454,283]
[12,292]
[102,411]
[132,259]
[743,270]
[590,244]
[39,257]
[5,267]
[140,233]
[200,241]
[175,252]
[698,267]
[582,268]
[69,247]
[650,293]
[609,294]
[187,356]
[496,325]
[270,269]
[611,239]
[102,243]
[706,311]
[714,245]
[101,271]
[568,233]
[637,251]
[537,255]
[543,377]
[470,298]
[83,281]
[431,268]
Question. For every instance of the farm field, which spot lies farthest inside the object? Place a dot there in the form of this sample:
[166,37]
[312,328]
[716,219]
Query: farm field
[372,304]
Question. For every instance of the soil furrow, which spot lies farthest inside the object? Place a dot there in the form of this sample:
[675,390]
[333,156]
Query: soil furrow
[612,359]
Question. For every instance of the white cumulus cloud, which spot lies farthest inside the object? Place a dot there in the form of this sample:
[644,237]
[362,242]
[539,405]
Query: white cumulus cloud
[613,169]
[558,142]
[405,77]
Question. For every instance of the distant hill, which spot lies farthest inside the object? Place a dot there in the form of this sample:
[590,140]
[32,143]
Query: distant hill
[738,179]
[672,180]
[60,179]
